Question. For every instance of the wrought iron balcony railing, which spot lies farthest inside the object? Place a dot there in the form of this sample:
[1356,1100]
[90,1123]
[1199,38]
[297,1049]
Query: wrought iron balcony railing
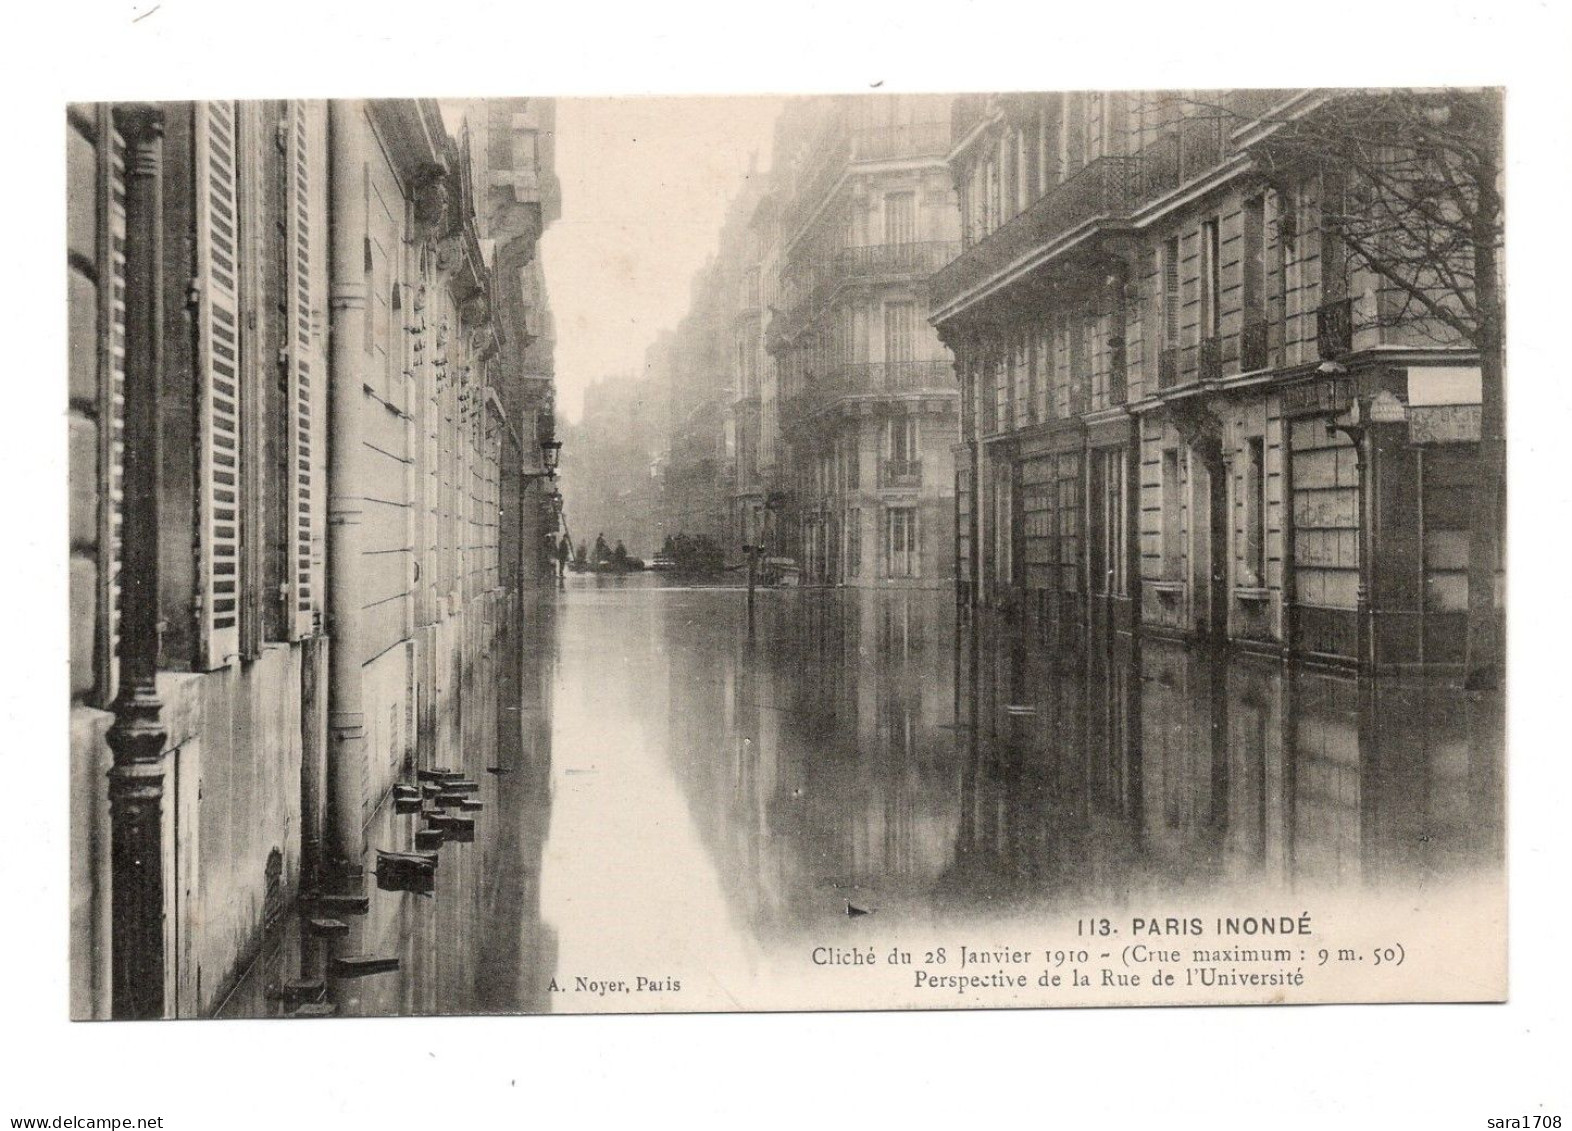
[1334,328]
[865,379]
[1107,188]
[1101,190]
[816,283]
[919,258]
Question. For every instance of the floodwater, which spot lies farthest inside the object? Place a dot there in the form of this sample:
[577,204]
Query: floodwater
[678,815]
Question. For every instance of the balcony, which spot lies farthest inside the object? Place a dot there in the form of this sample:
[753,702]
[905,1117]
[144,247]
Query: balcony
[1108,188]
[872,378]
[1254,350]
[816,284]
[866,379]
[892,259]
[1334,329]
[1103,190]
[900,473]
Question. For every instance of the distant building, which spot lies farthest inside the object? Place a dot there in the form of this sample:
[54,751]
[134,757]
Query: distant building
[609,476]
[865,401]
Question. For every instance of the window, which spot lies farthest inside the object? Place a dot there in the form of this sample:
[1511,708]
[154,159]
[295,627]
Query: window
[1001,391]
[901,541]
[1074,133]
[1252,491]
[900,218]
[1211,280]
[1108,535]
[900,331]
[1022,377]
[1042,344]
[853,542]
[1170,293]
[903,439]
[1173,520]
[1253,343]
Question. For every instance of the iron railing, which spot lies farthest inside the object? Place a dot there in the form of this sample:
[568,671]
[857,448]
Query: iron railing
[865,379]
[816,282]
[1101,190]
[1107,188]
[919,258]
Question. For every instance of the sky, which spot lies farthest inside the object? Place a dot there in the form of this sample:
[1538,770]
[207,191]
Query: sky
[645,184]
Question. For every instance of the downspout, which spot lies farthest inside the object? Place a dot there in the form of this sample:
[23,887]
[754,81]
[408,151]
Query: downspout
[346,710]
[138,735]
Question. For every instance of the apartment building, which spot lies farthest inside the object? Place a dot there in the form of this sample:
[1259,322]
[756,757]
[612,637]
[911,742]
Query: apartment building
[289,448]
[864,393]
[1187,406]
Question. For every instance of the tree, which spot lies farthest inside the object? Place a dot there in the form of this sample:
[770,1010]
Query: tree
[1412,190]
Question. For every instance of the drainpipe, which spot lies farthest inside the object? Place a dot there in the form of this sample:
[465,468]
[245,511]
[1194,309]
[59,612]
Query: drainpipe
[346,711]
[138,735]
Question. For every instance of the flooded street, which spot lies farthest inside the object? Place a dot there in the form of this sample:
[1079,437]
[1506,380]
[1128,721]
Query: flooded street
[676,816]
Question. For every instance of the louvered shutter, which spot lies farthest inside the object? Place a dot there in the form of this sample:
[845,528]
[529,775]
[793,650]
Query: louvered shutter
[304,369]
[219,409]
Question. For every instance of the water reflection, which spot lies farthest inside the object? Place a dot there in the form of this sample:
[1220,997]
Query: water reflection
[684,800]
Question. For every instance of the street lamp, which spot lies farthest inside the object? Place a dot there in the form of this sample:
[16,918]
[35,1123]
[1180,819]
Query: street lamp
[550,454]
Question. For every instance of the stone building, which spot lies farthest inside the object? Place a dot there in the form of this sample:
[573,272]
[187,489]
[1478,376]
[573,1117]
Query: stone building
[1185,405]
[864,394]
[290,441]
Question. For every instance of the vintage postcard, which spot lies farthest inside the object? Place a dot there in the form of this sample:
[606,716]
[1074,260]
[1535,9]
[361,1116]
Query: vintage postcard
[854,552]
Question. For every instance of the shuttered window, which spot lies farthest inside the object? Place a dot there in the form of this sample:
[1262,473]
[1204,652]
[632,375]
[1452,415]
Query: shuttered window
[304,370]
[218,331]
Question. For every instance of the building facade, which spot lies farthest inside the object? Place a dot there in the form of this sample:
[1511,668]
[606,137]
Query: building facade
[290,444]
[863,393]
[1187,407]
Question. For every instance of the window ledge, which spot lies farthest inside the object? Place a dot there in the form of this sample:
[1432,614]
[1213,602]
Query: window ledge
[1168,588]
[1248,593]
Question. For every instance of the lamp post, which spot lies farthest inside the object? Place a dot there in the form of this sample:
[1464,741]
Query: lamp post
[1354,423]
[550,456]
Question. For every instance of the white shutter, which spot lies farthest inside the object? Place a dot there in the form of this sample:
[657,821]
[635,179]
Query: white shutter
[218,571]
[305,236]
